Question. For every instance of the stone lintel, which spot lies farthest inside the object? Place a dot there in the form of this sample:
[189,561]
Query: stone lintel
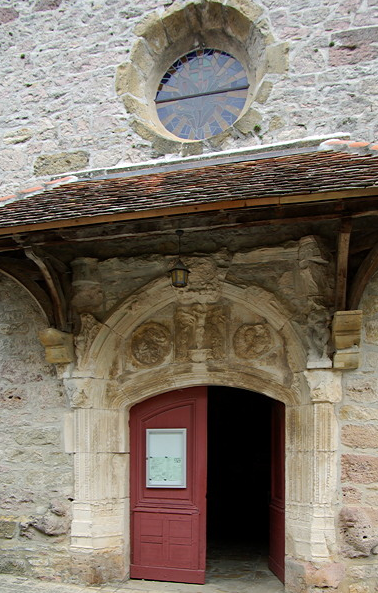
[58,345]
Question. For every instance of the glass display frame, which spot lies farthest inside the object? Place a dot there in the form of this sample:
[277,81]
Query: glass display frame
[166,457]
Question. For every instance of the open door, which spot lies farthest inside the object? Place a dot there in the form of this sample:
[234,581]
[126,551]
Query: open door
[277,502]
[168,486]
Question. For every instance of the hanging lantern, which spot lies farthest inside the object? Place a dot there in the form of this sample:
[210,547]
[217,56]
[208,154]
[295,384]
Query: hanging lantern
[179,272]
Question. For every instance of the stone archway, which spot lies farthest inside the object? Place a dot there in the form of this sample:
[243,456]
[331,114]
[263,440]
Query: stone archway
[160,340]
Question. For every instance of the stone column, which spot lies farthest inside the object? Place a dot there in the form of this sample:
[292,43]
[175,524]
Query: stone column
[98,440]
[312,436]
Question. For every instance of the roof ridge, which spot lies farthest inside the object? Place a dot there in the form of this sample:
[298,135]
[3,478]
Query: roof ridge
[349,146]
[29,191]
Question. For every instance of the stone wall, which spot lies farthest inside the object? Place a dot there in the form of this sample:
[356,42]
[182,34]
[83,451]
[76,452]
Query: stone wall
[36,475]
[257,319]
[61,111]
[358,519]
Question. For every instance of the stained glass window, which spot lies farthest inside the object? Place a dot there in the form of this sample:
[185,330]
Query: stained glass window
[201,94]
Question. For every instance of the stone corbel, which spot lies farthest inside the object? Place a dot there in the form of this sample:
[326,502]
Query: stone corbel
[346,336]
[58,345]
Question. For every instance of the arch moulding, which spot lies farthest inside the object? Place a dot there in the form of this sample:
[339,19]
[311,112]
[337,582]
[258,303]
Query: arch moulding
[160,339]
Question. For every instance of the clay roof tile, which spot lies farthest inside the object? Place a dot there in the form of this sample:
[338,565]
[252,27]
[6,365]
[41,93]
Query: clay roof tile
[269,177]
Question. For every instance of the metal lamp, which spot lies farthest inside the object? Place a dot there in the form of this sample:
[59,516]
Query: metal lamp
[179,272]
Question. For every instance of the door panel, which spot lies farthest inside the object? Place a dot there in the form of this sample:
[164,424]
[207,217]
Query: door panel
[168,525]
[277,502]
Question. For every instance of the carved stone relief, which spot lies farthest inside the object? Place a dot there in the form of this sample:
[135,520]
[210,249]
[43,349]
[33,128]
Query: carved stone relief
[300,275]
[316,280]
[314,264]
[151,343]
[76,391]
[257,341]
[207,275]
[215,331]
[89,327]
[252,340]
[318,337]
[200,332]
[55,521]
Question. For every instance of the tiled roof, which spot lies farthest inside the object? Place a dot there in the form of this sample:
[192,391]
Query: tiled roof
[266,180]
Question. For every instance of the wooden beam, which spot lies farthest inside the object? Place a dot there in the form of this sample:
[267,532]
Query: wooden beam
[342,264]
[52,280]
[364,273]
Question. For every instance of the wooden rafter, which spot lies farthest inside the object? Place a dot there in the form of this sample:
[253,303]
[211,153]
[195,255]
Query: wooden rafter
[342,264]
[364,273]
[54,285]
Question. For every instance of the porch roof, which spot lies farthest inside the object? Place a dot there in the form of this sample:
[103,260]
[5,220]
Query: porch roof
[266,179]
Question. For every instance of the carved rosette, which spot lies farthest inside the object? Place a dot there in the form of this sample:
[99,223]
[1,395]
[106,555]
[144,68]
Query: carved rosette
[253,340]
[151,343]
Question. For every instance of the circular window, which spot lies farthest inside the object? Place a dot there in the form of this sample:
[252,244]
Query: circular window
[202,94]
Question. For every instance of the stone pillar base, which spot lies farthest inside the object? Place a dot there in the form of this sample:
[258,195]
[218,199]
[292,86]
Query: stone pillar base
[95,568]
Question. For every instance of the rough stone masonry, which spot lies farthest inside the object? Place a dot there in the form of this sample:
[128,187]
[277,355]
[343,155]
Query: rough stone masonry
[61,112]
[77,82]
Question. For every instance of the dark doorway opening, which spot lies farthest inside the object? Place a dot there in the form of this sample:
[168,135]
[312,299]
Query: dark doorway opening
[239,474]
[238,479]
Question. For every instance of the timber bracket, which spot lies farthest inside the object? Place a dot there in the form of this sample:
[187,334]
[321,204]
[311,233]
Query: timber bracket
[54,273]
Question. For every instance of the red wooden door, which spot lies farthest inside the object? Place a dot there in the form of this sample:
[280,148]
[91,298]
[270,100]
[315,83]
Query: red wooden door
[168,524]
[277,501]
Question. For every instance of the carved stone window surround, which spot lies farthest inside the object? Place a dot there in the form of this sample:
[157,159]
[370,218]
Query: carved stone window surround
[234,27]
